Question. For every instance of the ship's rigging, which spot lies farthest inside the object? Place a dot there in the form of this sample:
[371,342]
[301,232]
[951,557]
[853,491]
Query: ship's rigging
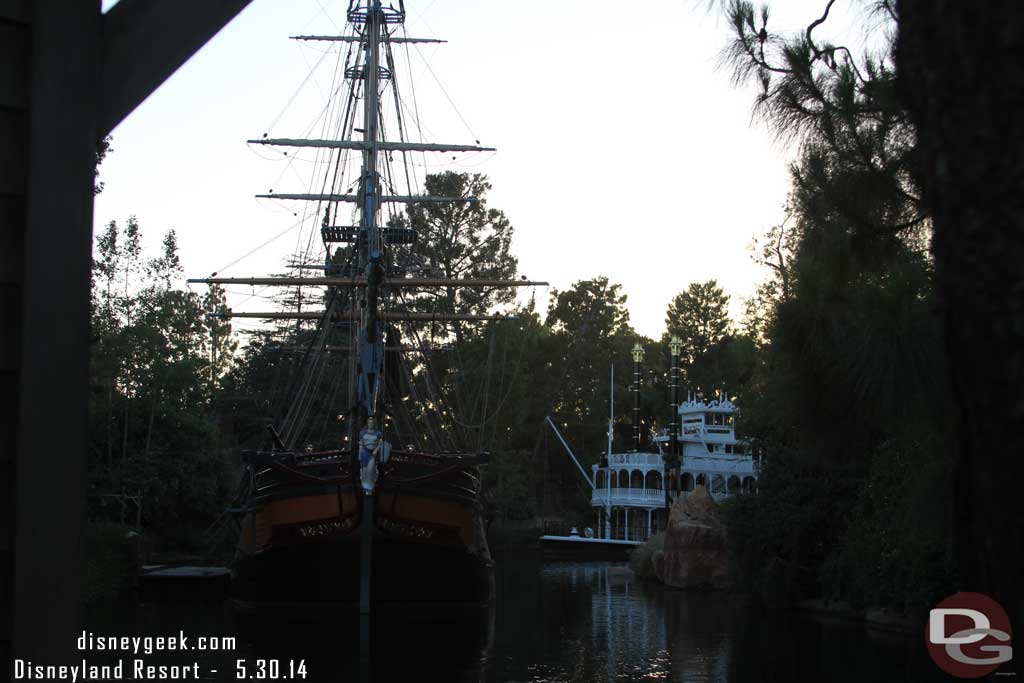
[376,287]
[320,519]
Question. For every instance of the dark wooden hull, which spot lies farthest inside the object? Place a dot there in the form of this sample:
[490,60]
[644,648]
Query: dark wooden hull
[403,573]
[301,539]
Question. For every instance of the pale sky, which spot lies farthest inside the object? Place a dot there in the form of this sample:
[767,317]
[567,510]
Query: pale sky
[623,150]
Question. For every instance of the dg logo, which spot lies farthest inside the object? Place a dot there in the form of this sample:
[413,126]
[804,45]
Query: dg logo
[968,635]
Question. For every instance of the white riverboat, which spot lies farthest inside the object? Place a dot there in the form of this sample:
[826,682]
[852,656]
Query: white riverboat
[631,492]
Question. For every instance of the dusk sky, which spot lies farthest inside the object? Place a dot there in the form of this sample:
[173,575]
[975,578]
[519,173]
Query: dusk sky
[623,148]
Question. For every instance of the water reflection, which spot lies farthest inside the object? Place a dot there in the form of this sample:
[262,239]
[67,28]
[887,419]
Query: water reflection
[591,622]
[554,622]
[403,647]
[597,623]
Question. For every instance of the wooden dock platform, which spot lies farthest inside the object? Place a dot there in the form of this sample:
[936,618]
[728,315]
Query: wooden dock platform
[158,581]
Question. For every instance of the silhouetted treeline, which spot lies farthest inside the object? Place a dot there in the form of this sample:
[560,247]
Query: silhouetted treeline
[851,400]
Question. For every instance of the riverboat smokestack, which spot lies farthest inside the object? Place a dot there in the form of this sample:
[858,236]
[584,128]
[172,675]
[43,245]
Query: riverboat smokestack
[638,358]
[672,460]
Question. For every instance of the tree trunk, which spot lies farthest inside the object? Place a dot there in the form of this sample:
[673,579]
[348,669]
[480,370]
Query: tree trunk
[149,431]
[962,76]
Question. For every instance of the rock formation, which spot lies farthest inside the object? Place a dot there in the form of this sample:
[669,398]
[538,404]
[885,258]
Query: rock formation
[640,561]
[696,551]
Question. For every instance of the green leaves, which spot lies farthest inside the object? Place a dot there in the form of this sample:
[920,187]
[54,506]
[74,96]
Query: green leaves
[699,316]
[850,376]
[589,331]
[102,150]
[841,111]
[590,309]
[463,240]
[157,362]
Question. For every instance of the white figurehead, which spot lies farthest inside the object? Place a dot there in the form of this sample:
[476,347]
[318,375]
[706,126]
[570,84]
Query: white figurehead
[370,445]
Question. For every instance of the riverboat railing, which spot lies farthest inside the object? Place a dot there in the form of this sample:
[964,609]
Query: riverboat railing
[626,497]
[636,459]
[622,496]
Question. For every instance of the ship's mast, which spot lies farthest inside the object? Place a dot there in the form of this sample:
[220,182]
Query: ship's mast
[371,347]
[370,20]
[369,342]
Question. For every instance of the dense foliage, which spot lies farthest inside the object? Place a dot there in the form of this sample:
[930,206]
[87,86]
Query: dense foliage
[157,364]
[851,405]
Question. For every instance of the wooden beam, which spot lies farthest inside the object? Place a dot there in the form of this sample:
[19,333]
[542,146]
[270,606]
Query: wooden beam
[54,368]
[341,349]
[362,39]
[409,282]
[405,316]
[80,73]
[145,41]
[384,146]
[353,198]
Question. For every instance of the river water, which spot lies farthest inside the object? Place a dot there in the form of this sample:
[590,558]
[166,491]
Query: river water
[551,622]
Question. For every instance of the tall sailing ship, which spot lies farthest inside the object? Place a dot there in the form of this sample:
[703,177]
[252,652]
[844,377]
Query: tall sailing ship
[387,516]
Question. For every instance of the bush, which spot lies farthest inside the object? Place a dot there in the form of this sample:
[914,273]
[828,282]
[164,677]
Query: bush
[110,560]
[875,542]
[781,536]
[897,553]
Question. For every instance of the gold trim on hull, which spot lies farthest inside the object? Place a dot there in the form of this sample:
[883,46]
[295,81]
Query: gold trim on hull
[314,517]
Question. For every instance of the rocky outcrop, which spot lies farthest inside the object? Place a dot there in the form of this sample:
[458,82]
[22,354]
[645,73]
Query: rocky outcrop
[641,560]
[696,551]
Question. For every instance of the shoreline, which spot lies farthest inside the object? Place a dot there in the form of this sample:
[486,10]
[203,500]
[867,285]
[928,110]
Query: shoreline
[874,618]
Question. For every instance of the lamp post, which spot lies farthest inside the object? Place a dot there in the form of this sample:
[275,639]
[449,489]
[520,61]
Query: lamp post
[638,358]
[672,461]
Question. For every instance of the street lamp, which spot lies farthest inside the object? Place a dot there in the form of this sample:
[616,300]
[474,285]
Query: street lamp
[638,353]
[675,346]
[638,358]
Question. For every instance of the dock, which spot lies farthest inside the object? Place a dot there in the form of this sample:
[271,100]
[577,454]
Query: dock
[158,581]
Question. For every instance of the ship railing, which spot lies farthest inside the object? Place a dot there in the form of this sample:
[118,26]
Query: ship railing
[621,497]
[624,496]
[635,459]
[720,463]
[618,532]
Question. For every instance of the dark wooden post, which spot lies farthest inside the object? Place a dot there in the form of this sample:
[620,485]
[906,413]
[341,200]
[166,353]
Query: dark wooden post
[68,75]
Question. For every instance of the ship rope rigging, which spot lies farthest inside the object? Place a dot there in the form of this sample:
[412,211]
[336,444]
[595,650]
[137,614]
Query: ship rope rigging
[338,120]
[398,483]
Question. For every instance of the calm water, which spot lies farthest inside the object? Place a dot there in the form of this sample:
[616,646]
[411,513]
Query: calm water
[552,622]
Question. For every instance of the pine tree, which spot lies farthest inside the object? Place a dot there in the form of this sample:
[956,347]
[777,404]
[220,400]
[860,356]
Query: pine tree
[699,316]
[851,384]
[462,240]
